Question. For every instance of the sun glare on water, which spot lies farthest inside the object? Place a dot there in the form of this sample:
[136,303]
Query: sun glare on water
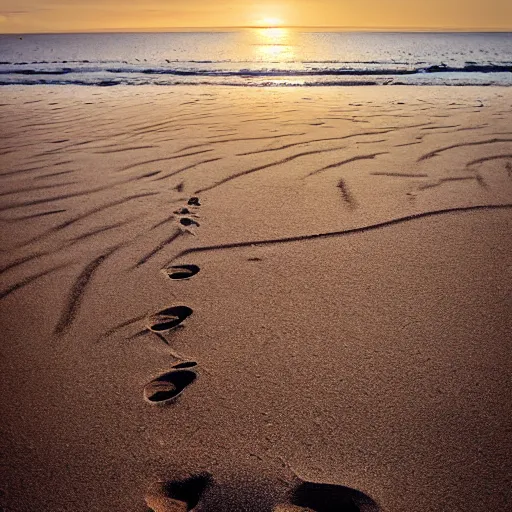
[273,43]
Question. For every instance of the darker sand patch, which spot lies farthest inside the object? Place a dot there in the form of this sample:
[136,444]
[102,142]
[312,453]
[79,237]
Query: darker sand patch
[346,195]
[180,186]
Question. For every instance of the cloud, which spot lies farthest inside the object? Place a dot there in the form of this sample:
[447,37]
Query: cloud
[12,13]
[6,14]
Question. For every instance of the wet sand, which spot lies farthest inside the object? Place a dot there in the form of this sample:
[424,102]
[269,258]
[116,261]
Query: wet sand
[340,310]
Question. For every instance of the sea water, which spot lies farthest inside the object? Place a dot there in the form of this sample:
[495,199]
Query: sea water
[258,57]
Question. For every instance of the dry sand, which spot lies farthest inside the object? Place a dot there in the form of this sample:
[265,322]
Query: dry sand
[351,317]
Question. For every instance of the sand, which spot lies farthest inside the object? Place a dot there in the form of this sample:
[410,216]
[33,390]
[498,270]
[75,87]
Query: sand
[348,300]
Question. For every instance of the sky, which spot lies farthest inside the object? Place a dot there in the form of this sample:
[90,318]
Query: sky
[23,16]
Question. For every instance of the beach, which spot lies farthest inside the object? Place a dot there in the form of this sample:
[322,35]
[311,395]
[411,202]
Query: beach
[348,308]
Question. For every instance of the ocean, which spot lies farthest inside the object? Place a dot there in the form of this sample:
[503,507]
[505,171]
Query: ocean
[258,57]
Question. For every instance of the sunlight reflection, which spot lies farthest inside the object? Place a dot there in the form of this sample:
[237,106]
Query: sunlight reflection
[275,44]
[274,33]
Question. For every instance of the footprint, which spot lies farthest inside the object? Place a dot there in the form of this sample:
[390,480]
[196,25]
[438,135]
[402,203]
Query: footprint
[186,221]
[168,387]
[158,503]
[194,201]
[182,271]
[169,318]
[291,508]
[182,211]
[184,364]
[179,495]
[309,496]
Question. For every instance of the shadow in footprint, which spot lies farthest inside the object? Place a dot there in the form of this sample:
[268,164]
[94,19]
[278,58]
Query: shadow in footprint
[194,201]
[332,498]
[168,387]
[169,318]
[182,271]
[178,495]
[185,364]
[188,222]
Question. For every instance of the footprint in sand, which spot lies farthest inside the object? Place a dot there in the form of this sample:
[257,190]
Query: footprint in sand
[291,508]
[187,221]
[314,497]
[169,386]
[182,271]
[184,364]
[177,496]
[169,318]
[194,201]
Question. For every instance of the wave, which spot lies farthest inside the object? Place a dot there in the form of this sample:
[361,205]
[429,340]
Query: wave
[202,82]
[256,71]
[253,74]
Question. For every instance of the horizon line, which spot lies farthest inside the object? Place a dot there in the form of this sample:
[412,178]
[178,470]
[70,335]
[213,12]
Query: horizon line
[261,27]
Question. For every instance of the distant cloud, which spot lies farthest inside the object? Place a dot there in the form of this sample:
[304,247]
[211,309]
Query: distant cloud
[4,13]
[13,13]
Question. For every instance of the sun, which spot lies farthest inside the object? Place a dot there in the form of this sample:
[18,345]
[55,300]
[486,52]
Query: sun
[271,22]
